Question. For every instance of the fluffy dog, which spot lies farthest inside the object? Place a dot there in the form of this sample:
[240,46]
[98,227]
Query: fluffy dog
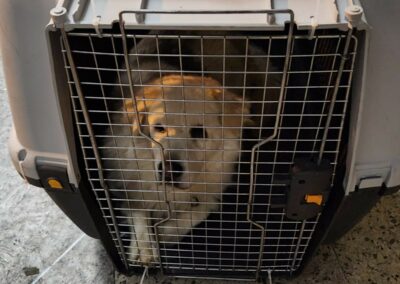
[184,119]
[185,127]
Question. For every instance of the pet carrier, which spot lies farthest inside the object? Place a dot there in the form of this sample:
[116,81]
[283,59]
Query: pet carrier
[215,139]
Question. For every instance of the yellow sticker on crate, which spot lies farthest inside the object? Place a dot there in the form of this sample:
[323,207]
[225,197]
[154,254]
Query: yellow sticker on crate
[314,198]
[54,183]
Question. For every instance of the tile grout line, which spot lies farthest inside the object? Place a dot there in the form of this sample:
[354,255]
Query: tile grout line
[58,259]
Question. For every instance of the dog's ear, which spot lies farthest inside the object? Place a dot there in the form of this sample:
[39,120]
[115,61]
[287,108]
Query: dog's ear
[131,109]
[237,109]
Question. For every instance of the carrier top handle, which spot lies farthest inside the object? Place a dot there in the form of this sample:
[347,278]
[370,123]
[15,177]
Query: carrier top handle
[140,17]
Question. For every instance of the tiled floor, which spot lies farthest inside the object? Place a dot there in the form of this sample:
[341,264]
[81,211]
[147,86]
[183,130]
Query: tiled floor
[39,244]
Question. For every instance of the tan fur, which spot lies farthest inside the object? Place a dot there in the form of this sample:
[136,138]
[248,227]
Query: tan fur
[178,109]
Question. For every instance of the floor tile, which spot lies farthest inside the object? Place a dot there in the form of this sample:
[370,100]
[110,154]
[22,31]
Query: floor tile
[322,268]
[34,231]
[369,253]
[87,262]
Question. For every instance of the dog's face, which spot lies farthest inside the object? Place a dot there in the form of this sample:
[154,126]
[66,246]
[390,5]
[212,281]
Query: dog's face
[194,130]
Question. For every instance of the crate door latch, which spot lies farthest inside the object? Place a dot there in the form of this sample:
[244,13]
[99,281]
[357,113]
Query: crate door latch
[309,189]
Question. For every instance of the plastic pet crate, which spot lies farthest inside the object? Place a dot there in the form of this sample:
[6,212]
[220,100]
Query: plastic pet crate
[297,142]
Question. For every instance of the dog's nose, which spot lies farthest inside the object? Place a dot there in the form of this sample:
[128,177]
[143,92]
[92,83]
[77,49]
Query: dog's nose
[173,170]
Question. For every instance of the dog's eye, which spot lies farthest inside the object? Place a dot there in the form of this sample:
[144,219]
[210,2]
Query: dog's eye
[159,128]
[198,132]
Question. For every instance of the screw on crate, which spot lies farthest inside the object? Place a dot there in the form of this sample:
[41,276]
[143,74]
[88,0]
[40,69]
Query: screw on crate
[59,13]
[354,15]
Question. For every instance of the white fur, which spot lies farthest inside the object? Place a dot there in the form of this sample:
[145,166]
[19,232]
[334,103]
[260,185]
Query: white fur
[205,172]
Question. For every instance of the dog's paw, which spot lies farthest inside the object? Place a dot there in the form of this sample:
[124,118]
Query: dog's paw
[144,255]
[133,252]
[148,255]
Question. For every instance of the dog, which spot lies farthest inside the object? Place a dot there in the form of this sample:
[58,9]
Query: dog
[184,120]
[182,141]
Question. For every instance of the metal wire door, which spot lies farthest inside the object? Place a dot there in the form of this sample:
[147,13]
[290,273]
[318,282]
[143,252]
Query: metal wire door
[297,105]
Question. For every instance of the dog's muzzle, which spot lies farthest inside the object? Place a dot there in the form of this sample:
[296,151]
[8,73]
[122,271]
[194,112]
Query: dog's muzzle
[173,173]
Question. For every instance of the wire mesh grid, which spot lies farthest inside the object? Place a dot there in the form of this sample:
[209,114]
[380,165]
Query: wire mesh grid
[175,142]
